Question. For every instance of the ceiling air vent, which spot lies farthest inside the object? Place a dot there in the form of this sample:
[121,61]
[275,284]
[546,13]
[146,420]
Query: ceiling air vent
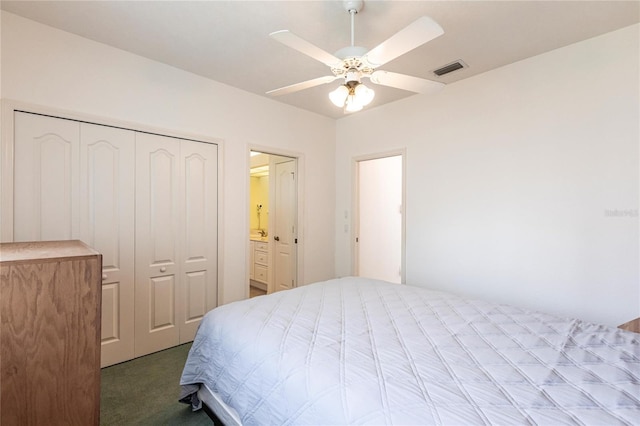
[454,66]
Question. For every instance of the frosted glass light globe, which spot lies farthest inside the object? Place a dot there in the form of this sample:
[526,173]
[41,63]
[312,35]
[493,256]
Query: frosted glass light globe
[339,96]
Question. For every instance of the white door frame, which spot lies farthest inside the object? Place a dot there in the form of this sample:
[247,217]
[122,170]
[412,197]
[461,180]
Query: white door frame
[299,157]
[355,225]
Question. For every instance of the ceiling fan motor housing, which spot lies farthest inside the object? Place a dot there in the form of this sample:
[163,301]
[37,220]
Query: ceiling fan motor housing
[352,77]
[351,52]
[352,66]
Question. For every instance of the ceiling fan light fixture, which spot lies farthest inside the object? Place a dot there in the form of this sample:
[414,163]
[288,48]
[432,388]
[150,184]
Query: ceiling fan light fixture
[352,104]
[352,96]
[339,96]
[363,94]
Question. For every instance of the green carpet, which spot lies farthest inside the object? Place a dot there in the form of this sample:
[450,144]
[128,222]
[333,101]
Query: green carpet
[145,391]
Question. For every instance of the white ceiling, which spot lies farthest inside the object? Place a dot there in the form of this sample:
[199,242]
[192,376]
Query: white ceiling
[228,41]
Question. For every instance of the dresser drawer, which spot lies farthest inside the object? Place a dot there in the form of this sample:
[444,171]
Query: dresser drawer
[260,245]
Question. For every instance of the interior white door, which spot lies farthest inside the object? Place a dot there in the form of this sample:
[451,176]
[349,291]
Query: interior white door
[198,287]
[284,262]
[107,224]
[158,219]
[46,151]
[380,218]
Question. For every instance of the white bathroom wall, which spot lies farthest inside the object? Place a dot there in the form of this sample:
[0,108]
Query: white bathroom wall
[52,68]
[259,195]
[522,182]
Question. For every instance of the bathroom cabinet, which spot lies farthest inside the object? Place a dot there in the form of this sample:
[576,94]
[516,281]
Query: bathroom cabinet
[261,262]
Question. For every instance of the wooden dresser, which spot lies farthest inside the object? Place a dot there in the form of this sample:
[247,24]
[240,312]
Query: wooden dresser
[50,298]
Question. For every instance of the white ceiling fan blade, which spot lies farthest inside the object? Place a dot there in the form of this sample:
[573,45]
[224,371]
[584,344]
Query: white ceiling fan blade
[301,45]
[418,33]
[301,86]
[405,82]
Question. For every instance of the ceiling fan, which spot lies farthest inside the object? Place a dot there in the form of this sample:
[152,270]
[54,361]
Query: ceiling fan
[353,63]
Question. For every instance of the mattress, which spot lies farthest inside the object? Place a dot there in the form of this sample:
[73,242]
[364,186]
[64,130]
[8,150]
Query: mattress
[361,351]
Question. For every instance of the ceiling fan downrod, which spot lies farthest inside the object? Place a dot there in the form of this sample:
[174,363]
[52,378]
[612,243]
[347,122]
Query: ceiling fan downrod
[353,7]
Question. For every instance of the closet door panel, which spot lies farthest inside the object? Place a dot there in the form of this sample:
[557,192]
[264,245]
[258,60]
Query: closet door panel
[45,178]
[158,219]
[107,171]
[111,334]
[199,234]
[162,294]
[195,287]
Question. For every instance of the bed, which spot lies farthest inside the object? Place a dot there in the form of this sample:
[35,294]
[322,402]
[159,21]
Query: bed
[361,351]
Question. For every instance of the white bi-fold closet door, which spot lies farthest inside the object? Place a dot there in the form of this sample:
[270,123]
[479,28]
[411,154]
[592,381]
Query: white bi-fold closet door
[148,203]
[75,181]
[176,239]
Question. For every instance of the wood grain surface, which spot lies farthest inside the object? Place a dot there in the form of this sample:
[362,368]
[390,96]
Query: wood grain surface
[633,325]
[50,337]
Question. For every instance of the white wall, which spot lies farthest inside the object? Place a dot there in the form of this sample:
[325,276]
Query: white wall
[51,68]
[514,178]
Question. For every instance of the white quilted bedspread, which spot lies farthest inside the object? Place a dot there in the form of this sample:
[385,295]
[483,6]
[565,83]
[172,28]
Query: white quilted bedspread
[356,351]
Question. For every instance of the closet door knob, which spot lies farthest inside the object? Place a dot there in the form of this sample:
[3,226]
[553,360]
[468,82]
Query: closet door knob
[276,238]
[104,277]
[163,269]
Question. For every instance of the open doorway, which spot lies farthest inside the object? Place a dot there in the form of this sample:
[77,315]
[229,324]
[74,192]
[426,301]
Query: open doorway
[273,223]
[379,242]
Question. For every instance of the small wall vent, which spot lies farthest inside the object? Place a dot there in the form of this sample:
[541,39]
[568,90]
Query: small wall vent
[454,66]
